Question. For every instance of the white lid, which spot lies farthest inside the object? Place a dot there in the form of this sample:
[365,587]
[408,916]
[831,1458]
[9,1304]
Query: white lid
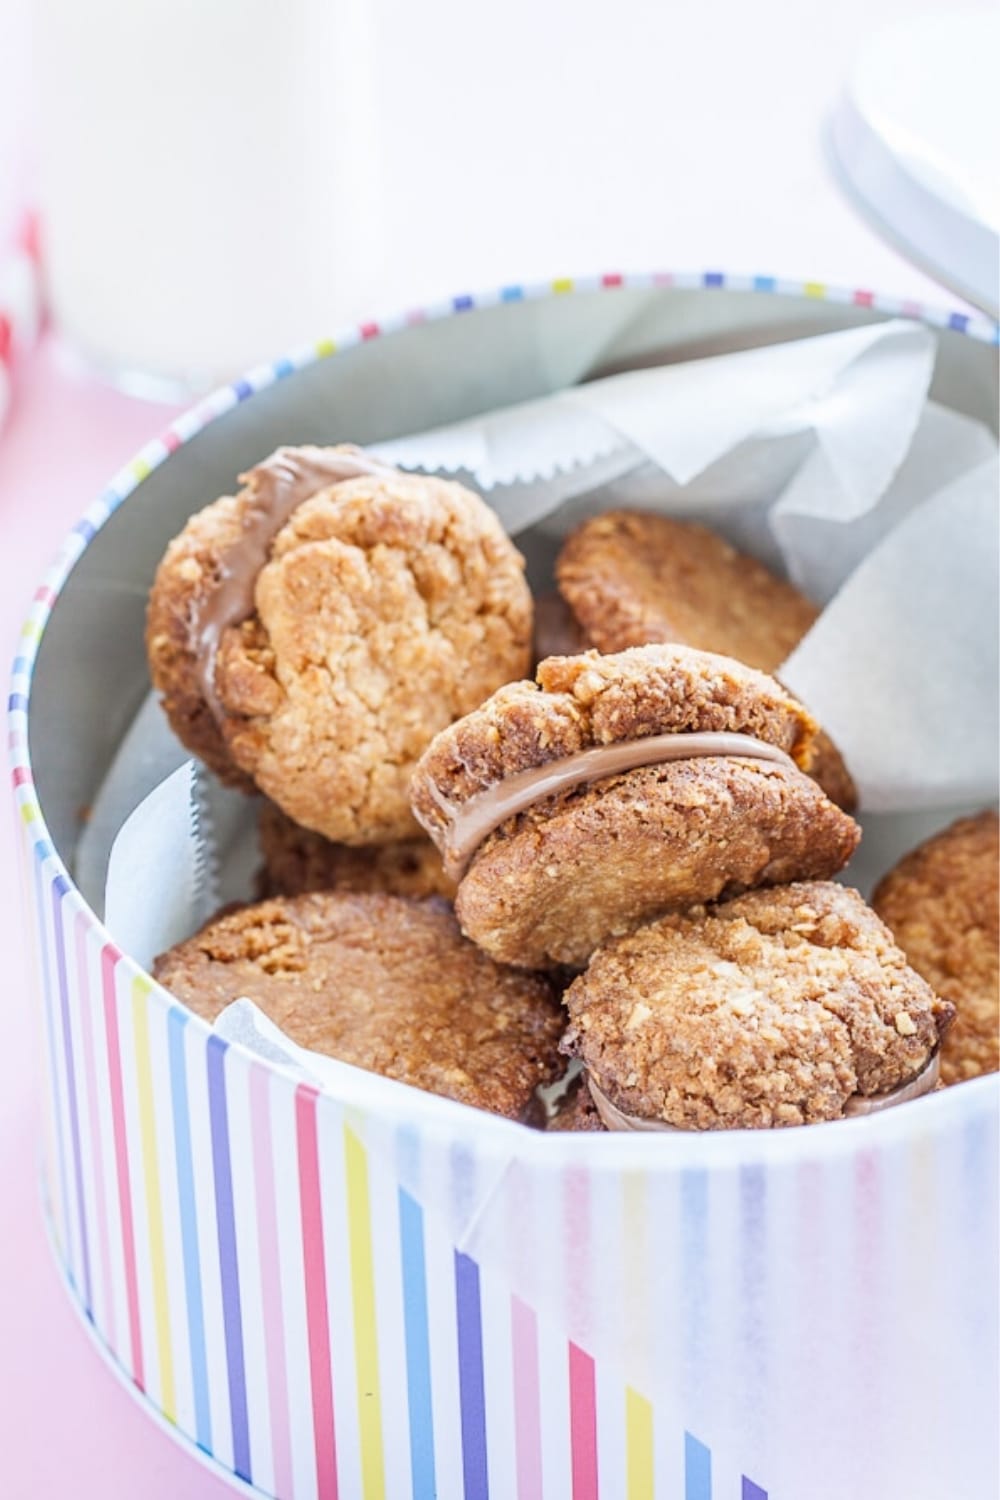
[917,136]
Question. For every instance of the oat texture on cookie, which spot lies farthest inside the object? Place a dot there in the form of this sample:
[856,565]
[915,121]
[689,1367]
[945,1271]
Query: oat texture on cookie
[942,903]
[386,606]
[635,576]
[776,1008]
[296,860]
[548,884]
[382,982]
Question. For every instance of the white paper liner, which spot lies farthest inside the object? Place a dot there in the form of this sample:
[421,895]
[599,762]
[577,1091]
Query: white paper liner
[166,840]
[902,665]
[816,428]
[147,755]
[686,417]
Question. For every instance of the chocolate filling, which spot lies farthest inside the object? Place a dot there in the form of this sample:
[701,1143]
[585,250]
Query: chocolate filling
[278,486]
[469,822]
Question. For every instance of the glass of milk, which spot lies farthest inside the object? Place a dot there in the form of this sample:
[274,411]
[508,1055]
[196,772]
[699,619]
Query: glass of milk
[210,179]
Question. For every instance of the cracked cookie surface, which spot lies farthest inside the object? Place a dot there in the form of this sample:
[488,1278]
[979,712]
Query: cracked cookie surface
[631,577]
[580,702]
[387,984]
[770,1009]
[550,885]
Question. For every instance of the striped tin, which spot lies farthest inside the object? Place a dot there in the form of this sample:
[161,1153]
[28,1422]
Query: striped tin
[333,1300]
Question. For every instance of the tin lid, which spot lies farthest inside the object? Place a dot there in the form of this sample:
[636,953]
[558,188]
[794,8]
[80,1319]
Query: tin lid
[916,140]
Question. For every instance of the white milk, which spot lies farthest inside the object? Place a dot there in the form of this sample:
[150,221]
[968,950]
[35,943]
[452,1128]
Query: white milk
[210,178]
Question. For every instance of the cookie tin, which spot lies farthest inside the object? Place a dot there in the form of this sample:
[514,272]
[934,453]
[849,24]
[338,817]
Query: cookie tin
[329,1300]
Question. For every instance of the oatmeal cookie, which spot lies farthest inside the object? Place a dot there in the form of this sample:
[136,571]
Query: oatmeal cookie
[942,905]
[297,860]
[576,1109]
[312,634]
[387,984]
[777,1008]
[631,577]
[549,866]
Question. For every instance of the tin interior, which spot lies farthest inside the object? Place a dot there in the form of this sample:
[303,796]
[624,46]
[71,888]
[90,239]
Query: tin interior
[91,671]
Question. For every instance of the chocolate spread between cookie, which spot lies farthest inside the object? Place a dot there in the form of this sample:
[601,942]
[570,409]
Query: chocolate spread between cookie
[280,484]
[470,822]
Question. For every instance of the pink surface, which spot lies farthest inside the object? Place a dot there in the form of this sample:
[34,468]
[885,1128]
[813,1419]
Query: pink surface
[66,1424]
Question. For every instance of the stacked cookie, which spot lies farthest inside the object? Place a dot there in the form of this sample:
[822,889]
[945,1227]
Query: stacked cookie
[610,817]
[308,637]
[617,787]
[650,825]
[627,577]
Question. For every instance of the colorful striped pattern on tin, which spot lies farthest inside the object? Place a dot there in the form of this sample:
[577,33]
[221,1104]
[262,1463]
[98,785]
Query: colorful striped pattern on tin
[172,1345]
[249,1259]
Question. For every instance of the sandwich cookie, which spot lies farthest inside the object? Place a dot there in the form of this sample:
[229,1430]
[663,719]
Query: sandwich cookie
[631,577]
[310,636]
[786,1006]
[614,788]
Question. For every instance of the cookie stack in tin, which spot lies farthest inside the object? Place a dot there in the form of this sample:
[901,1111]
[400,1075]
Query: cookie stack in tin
[647,828]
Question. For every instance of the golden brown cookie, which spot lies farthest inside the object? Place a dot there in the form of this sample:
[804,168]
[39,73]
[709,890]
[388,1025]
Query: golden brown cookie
[297,860]
[312,634]
[633,576]
[386,984]
[776,1008]
[943,906]
[545,880]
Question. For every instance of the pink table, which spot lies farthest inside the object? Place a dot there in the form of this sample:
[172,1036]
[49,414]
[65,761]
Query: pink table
[66,1425]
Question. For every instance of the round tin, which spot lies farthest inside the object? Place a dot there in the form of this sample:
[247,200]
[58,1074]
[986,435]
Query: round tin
[333,1299]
